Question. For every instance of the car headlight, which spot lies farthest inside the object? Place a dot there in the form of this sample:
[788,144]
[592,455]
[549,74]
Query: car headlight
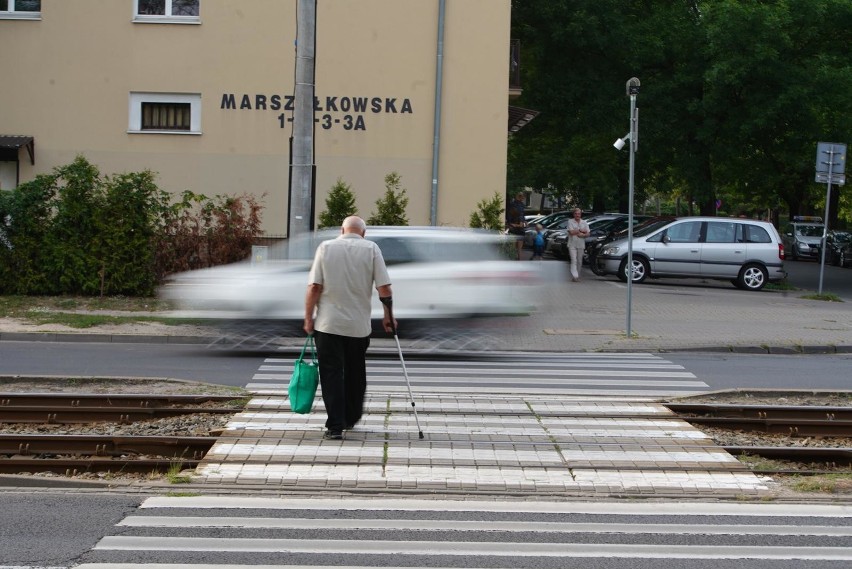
[608,251]
[803,245]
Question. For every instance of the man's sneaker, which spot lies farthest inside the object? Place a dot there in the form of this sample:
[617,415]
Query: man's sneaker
[333,435]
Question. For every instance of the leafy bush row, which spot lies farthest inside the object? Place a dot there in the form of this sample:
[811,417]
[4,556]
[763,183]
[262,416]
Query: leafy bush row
[76,231]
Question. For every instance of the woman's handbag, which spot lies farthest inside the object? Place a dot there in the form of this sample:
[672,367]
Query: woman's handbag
[303,382]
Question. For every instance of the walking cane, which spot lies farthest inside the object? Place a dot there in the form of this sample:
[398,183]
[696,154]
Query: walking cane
[388,301]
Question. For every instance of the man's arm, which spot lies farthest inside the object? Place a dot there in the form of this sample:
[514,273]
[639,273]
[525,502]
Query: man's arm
[386,292]
[573,228]
[312,297]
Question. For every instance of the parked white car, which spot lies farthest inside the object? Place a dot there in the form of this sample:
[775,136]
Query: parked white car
[438,274]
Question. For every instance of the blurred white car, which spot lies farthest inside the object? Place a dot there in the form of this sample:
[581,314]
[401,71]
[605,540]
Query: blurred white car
[437,274]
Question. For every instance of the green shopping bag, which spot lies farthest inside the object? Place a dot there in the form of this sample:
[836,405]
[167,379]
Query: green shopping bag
[303,382]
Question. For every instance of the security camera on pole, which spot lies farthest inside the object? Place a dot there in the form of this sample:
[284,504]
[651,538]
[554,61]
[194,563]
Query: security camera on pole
[633,138]
[830,167]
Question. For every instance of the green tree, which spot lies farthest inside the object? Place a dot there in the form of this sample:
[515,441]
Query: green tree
[734,97]
[390,209]
[489,214]
[778,81]
[339,204]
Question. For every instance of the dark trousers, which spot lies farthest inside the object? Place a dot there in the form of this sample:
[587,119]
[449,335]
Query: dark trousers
[343,377]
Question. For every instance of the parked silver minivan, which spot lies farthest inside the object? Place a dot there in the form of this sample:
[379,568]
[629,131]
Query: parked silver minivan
[747,252]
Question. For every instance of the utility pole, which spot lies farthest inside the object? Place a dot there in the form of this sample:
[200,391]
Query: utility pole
[633,138]
[302,161]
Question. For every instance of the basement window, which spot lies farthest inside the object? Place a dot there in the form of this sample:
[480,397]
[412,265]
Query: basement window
[165,113]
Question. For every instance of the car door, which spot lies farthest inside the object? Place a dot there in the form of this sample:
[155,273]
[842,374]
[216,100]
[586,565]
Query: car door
[679,253]
[724,249]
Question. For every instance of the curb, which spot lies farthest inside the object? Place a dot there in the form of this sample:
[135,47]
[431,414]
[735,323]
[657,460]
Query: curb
[208,340]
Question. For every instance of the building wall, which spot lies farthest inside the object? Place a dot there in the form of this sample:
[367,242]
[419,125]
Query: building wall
[73,70]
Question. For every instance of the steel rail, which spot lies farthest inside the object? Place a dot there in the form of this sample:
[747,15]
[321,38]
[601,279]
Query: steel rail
[834,455]
[789,427]
[67,415]
[73,466]
[804,412]
[104,445]
[108,399]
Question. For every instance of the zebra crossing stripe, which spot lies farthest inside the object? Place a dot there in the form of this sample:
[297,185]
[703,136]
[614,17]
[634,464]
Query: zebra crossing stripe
[538,507]
[498,371]
[456,548]
[421,525]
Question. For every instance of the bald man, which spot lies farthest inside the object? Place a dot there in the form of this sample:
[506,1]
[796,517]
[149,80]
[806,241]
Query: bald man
[337,312]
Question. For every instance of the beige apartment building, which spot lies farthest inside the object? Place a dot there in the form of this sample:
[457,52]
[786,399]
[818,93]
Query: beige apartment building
[201,92]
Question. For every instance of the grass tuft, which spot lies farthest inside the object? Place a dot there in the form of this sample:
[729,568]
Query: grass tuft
[826,296]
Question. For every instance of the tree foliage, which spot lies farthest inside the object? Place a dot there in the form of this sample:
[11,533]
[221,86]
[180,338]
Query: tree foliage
[390,209]
[735,95]
[339,205]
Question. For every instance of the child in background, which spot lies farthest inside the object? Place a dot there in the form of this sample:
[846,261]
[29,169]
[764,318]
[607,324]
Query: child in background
[538,243]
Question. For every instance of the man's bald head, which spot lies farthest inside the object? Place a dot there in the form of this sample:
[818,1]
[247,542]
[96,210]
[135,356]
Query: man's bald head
[354,224]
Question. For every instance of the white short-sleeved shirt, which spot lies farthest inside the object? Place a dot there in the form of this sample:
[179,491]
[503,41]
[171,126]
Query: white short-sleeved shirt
[576,240]
[348,268]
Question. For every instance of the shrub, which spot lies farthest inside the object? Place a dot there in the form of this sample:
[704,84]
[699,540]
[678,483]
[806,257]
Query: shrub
[391,208]
[339,204]
[75,231]
[489,214]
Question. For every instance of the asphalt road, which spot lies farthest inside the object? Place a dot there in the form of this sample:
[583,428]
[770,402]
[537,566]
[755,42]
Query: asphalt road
[62,530]
[835,280]
[719,371]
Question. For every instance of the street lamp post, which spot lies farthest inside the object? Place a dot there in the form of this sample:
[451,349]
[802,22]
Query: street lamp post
[633,138]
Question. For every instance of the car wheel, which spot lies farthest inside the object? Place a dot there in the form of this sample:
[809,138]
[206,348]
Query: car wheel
[753,277]
[640,272]
[794,256]
[596,267]
[842,260]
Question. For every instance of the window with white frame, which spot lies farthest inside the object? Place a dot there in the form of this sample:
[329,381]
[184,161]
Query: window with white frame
[165,113]
[20,9]
[167,11]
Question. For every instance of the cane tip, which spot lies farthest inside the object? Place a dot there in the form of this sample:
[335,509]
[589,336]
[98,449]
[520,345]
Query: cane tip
[421,434]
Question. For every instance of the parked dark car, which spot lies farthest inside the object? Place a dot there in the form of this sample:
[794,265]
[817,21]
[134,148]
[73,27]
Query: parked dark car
[838,248]
[548,222]
[601,228]
[557,239]
[607,230]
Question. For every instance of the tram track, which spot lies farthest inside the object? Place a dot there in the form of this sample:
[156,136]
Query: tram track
[50,408]
[63,453]
[799,421]
[30,450]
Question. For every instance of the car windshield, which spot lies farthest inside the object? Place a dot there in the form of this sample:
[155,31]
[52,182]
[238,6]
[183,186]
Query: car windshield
[809,230]
[553,218]
[650,227]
